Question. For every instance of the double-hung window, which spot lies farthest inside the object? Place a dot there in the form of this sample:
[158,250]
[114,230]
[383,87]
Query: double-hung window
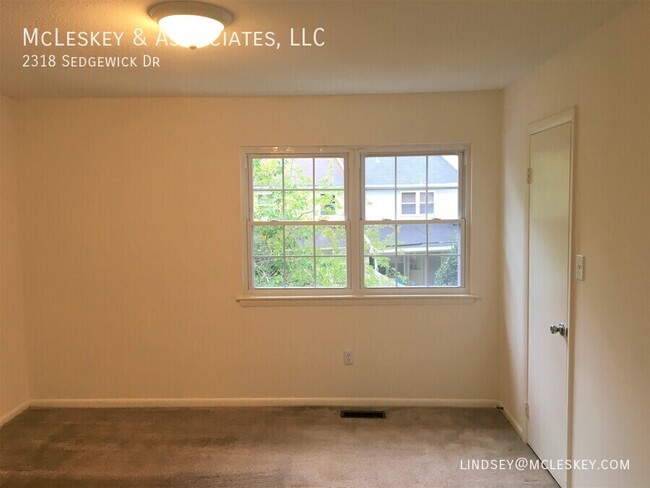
[356,221]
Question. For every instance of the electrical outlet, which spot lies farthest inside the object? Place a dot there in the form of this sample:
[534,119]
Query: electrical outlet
[348,358]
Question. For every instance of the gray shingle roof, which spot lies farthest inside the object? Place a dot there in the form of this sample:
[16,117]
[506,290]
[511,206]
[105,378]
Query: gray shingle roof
[414,236]
[411,170]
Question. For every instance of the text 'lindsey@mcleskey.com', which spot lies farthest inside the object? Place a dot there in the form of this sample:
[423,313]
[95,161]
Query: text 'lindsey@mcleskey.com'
[523,464]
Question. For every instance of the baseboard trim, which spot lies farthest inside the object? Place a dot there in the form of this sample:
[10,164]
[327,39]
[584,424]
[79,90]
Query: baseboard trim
[11,414]
[514,423]
[260,402]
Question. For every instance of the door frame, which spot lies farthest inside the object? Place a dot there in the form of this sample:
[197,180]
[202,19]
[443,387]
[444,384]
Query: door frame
[567,116]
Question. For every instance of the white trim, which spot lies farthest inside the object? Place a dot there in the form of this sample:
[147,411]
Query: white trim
[439,149]
[13,413]
[513,422]
[570,321]
[368,299]
[262,402]
[567,116]
[244,209]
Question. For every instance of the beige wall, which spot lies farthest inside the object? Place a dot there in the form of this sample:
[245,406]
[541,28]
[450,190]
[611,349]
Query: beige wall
[133,254]
[607,76]
[14,390]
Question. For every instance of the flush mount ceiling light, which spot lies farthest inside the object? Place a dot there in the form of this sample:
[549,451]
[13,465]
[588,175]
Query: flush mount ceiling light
[190,24]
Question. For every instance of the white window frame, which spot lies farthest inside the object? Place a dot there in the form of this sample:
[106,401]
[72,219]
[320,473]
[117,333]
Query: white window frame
[353,214]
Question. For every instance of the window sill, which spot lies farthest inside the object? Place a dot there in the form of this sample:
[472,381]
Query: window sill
[318,300]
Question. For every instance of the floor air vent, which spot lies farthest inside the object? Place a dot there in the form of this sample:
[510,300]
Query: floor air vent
[363,414]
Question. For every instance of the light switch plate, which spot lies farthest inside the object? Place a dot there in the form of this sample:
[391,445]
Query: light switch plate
[580,267]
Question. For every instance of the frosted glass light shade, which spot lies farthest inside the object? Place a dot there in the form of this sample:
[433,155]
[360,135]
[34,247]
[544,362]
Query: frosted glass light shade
[190,30]
[190,24]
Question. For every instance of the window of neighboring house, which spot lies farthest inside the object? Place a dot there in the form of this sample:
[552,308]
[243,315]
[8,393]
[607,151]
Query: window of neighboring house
[416,203]
[405,231]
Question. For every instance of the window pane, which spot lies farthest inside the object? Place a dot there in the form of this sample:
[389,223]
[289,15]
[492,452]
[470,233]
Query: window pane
[331,272]
[267,240]
[331,240]
[379,239]
[299,240]
[380,204]
[267,173]
[443,176]
[412,272]
[268,273]
[267,205]
[408,209]
[444,270]
[409,204]
[298,173]
[379,246]
[444,255]
[426,203]
[412,171]
[411,238]
[408,197]
[379,272]
[379,188]
[444,238]
[330,173]
[443,170]
[300,272]
[379,172]
[446,204]
[330,205]
[298,205]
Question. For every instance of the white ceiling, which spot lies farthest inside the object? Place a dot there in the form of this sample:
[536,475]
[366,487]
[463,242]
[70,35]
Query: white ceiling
[371,47]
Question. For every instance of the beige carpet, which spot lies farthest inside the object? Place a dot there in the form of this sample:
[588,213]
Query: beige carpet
[259,447]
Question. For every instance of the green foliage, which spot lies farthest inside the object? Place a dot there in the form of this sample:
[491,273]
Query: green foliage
[379,269]
[447,273]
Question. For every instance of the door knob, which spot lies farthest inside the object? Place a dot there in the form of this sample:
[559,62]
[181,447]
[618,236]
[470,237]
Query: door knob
[561,328]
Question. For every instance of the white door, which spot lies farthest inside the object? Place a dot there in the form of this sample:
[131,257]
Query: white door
[549,288]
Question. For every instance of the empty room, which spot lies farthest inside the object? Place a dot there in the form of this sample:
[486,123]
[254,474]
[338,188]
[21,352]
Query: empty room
[305,243]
